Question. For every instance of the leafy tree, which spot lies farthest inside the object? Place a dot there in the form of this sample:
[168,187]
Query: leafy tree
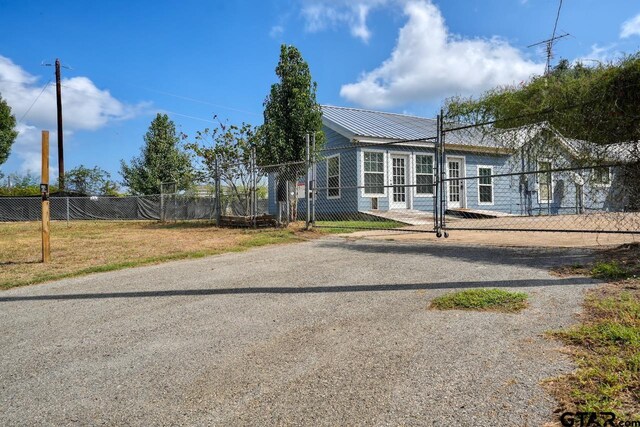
[22,185]
[91,181]
[161,160]
[290,112]
[230,146]
[599,104]
[8,133]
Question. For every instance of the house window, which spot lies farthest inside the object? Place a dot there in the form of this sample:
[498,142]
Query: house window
[485,185]
[602,176]
[545,182]
[373,173]
[424,175]
[333,177]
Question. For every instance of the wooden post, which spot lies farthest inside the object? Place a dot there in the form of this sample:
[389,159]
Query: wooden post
[44,189]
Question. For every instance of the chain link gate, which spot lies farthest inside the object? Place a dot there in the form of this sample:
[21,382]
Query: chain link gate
[473,178]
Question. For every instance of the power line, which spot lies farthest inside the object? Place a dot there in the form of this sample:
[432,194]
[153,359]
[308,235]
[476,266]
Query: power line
[97,96]
[34,102]
[200,101]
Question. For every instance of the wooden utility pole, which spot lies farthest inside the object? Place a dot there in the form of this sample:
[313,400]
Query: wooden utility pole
[60,134]
[44,189]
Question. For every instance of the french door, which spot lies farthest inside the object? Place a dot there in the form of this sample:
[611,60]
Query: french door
[399,194]
[455,194]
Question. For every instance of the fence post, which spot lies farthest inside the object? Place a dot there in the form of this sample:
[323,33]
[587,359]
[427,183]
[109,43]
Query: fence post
[443,172]
[67,211]
[313,179]
[217,193]
[161,203]
[254,184]
[436,158]
[306,184]
[44,189]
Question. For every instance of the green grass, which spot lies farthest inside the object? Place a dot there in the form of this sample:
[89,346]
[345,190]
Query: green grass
[351,226]
[609,271]
[607,351]
[482,299]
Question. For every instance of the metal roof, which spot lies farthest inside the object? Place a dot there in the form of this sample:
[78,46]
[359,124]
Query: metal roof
[376,124]
[355,123]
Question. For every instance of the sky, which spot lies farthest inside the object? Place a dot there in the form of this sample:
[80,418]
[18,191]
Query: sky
[125,61]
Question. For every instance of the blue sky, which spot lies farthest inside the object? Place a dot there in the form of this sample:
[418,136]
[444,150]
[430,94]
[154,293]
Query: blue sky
[195,59]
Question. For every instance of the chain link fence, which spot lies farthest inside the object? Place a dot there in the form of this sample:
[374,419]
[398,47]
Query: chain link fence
[455,177]
[441,177]
[156,207]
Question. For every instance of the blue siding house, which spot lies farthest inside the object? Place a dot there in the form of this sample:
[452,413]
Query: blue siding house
[375,162]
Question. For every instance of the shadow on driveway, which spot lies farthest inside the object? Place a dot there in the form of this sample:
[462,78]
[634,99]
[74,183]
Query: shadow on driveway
[523,256]
[569,281]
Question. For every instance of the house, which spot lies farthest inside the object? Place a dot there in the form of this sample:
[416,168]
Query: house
[375,162]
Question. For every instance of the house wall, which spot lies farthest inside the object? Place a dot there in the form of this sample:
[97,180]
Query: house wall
[504,189]
[347,202]
[566,198]
[511,194]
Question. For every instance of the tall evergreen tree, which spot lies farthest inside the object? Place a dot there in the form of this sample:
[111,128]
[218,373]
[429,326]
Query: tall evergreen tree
[8,132]
[290,111]
[162,160]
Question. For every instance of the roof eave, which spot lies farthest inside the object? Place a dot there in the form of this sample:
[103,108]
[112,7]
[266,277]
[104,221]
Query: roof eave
[338,128]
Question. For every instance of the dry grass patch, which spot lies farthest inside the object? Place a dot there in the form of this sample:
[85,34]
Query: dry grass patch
[92,246]
[606,343]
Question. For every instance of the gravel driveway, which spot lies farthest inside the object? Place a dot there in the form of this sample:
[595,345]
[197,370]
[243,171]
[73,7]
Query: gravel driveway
[328,332]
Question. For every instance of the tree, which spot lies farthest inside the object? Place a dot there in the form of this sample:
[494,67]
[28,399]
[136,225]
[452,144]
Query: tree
[162,160]
[8,133]
[290,112]
[599,104]
[229,147]
[91,181]
[22,185]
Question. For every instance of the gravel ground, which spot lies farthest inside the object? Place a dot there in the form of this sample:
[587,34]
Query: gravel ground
[328,332]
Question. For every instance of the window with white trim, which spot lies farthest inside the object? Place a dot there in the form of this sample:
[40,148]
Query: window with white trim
[545,182]
[424,175]
[333,177]
[373,173]
[485,185]
[602,176]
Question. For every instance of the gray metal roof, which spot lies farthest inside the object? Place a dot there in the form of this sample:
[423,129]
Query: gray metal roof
[356,123]
[376,124]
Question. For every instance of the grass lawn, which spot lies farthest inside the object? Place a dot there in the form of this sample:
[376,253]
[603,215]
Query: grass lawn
[94,246]
[350,226]
[606,343]
[482,299]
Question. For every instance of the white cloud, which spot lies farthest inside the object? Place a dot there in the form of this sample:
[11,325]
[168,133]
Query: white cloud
[428,62]
[322,14]
[630,27]
[85,107]
[601,54]
[276,31]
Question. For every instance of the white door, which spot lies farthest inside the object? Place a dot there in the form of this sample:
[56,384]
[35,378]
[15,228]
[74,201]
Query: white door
[455,169]
[399,166]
